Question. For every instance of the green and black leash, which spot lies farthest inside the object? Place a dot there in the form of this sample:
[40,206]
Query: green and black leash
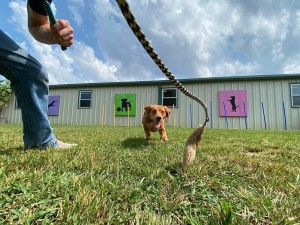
[52,19]
[136,29]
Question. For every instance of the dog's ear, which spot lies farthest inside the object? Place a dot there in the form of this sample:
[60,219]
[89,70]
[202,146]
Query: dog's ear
[147,108]
[167,110]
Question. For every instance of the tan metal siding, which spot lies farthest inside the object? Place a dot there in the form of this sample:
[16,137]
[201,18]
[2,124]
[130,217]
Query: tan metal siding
[102,105]
[12,114]
[272,93]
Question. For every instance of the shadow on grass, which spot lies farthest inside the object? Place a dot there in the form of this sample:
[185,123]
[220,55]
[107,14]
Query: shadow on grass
[10,151]
[175,170]
[135,143]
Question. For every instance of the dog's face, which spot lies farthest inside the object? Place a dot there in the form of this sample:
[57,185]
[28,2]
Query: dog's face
[155,115]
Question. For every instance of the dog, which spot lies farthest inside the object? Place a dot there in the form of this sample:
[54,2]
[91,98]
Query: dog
[233,104]
[154,119]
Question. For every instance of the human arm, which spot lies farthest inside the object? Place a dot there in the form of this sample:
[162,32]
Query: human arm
[40,28]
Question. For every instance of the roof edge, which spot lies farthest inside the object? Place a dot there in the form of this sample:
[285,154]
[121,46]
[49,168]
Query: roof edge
[184,81]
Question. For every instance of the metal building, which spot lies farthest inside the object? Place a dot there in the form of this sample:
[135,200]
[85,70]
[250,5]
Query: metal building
[261,102]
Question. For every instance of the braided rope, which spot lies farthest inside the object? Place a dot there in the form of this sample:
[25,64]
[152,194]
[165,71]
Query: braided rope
[130,19]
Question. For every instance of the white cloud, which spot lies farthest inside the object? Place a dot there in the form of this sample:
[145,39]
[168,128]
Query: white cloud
[195,38]
[19,15]
[292,65]
[75,6]
[77,64]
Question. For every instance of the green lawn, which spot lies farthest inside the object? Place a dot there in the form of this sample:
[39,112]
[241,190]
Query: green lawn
[115,177]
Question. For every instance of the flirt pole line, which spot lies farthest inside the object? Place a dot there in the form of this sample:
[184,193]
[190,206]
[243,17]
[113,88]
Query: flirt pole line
[194,139]
[52,19]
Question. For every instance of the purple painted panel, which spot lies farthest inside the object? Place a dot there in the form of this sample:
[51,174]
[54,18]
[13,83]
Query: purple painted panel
[53,105]
[231,103]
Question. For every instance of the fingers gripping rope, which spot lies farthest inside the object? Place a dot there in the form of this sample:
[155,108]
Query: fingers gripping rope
[52,19]
[124,7]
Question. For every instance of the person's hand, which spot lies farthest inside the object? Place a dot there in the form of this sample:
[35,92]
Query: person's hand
[63,33]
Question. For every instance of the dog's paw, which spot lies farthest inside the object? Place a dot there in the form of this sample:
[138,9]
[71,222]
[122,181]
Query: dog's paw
[164,139]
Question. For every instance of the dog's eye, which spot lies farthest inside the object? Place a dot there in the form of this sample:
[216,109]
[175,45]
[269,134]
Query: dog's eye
[162,111]
[154,111]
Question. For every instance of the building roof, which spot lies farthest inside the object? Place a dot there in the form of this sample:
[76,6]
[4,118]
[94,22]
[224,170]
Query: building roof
[183,81]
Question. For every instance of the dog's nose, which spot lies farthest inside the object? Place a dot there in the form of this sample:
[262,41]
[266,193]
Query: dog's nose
[158,118]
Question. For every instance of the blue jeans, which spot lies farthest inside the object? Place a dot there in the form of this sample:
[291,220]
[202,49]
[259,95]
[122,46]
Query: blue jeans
[30,83]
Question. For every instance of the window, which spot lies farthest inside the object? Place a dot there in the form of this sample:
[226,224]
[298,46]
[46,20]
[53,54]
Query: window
[85,99]
[169,97]
[295,95]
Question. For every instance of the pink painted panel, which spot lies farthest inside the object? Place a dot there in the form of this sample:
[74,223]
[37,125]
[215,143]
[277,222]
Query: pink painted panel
[233,103]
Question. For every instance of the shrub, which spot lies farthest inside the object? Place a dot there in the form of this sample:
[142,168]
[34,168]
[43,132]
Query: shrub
[5,94]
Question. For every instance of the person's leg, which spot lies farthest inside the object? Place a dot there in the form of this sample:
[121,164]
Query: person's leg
[29,82]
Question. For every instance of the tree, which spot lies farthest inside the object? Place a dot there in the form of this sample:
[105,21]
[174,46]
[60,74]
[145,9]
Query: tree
[5,94]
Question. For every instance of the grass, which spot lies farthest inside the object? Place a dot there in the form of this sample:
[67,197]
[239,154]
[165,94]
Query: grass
[115,177]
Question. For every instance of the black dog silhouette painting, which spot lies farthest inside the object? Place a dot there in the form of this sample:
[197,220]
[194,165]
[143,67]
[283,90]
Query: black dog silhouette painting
[126,104]
[233,104]
[51,104]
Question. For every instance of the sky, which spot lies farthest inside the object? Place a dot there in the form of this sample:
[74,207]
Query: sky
[195,39]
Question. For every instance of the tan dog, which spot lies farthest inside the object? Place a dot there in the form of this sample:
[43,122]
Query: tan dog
[153,120]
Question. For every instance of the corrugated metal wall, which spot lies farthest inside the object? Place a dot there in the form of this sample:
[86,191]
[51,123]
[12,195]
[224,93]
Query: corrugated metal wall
[272,94]
[102,111]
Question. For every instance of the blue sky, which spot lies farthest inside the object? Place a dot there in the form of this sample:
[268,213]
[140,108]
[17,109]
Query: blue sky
[195,38]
